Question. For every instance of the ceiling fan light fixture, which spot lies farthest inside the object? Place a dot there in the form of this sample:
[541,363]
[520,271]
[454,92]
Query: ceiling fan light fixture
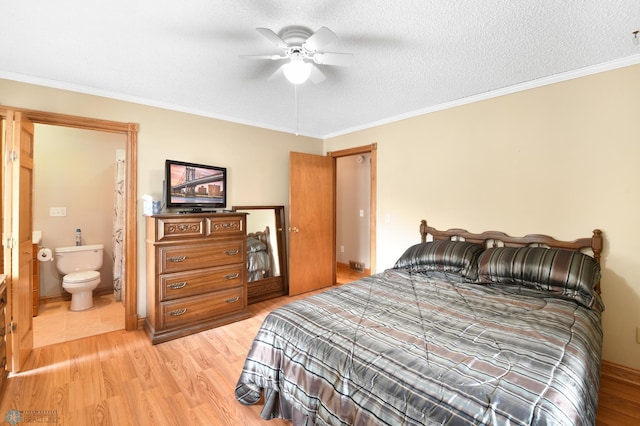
[297,71]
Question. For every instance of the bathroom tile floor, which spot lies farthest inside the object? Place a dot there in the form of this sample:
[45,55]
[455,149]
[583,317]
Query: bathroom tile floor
[56,323]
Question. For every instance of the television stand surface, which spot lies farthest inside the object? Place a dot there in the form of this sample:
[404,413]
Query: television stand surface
[192,211]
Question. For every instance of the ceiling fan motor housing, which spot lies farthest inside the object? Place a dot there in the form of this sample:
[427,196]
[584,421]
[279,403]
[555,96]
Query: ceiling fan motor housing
[295,35]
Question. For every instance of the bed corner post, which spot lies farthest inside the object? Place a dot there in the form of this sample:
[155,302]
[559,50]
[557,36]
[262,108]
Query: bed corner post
[596,244]
[423,230]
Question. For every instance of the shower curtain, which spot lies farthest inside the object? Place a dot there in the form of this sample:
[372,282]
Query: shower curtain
[118,227]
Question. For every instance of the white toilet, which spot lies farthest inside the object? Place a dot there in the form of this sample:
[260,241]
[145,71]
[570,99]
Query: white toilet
[80,266]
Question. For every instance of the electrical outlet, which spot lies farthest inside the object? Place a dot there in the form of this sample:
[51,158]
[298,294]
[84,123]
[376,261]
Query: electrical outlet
[57,211]
[341,249]
[357,266]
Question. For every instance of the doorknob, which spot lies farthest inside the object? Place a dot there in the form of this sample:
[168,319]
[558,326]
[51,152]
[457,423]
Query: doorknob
[294,229]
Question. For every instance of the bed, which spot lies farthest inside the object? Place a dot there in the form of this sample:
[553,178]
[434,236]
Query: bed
[464,329]
[259,255]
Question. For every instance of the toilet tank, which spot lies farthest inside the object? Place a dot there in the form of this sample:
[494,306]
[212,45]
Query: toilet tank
[79,258]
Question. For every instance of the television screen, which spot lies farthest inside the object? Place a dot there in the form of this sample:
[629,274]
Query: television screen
[195,186]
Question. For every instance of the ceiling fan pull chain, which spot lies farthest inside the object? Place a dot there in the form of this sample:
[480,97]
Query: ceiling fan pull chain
[295,95]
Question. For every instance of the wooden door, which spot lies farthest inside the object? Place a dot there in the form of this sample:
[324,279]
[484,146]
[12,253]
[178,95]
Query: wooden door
[311,222]
[17,225]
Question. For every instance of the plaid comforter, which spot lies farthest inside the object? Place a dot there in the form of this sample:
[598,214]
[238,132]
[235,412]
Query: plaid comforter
[405,349]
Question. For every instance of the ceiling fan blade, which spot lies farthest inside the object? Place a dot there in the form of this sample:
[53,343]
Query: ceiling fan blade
[323,37]
[316,75]
[277,73]
[271,57]
[327,58]
[272,37]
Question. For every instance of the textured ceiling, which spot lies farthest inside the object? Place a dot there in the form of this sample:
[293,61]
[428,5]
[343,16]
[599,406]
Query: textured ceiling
[410,56]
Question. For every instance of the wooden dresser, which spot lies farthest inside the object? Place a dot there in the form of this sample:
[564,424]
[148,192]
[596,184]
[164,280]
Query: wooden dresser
[196,273]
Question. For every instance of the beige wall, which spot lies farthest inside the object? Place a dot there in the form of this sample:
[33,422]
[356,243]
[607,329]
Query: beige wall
[74,169]
[257,159]
[559,160]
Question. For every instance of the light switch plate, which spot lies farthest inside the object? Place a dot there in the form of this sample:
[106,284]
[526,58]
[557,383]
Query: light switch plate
[57,211]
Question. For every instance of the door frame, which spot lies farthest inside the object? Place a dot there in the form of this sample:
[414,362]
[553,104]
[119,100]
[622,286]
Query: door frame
[373,151]
[130,130]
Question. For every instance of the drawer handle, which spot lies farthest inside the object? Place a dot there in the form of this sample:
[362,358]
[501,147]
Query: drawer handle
[226,225]
[233,299]
[177,312]
[231,252]
[232,276]
[177,259]
[176,286]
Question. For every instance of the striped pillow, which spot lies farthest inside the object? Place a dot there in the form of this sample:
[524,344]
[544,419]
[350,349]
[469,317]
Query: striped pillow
[565,272]
[255,245]
[459,257]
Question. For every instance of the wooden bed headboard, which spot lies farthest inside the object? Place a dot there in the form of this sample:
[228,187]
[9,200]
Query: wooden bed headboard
[262,236]
[495,238]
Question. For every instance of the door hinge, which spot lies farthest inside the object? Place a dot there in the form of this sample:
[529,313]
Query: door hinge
[11,327]
[12,156]
[8,243]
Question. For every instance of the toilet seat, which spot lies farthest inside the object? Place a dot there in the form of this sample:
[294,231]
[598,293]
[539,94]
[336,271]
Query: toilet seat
[80,277]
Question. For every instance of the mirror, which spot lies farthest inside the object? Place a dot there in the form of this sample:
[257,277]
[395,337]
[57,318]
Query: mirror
[266,252]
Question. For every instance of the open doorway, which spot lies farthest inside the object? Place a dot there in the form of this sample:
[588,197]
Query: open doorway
[130,132]
[73,189]
[355,212]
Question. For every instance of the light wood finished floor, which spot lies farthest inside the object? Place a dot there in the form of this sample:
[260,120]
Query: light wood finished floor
[346,275]
[119,378]
[56,323]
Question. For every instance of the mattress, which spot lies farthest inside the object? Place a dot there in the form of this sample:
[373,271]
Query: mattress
[403,348]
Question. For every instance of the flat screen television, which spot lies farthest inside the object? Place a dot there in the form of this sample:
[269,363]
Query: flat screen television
[194,187]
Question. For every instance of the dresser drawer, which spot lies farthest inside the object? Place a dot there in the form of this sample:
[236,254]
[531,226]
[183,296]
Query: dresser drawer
[188,257]
[196,272]
[177,228]
[200,308]
[190,283]
[226,226]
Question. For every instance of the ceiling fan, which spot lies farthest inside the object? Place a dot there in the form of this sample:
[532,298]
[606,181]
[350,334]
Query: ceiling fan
[304,50]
